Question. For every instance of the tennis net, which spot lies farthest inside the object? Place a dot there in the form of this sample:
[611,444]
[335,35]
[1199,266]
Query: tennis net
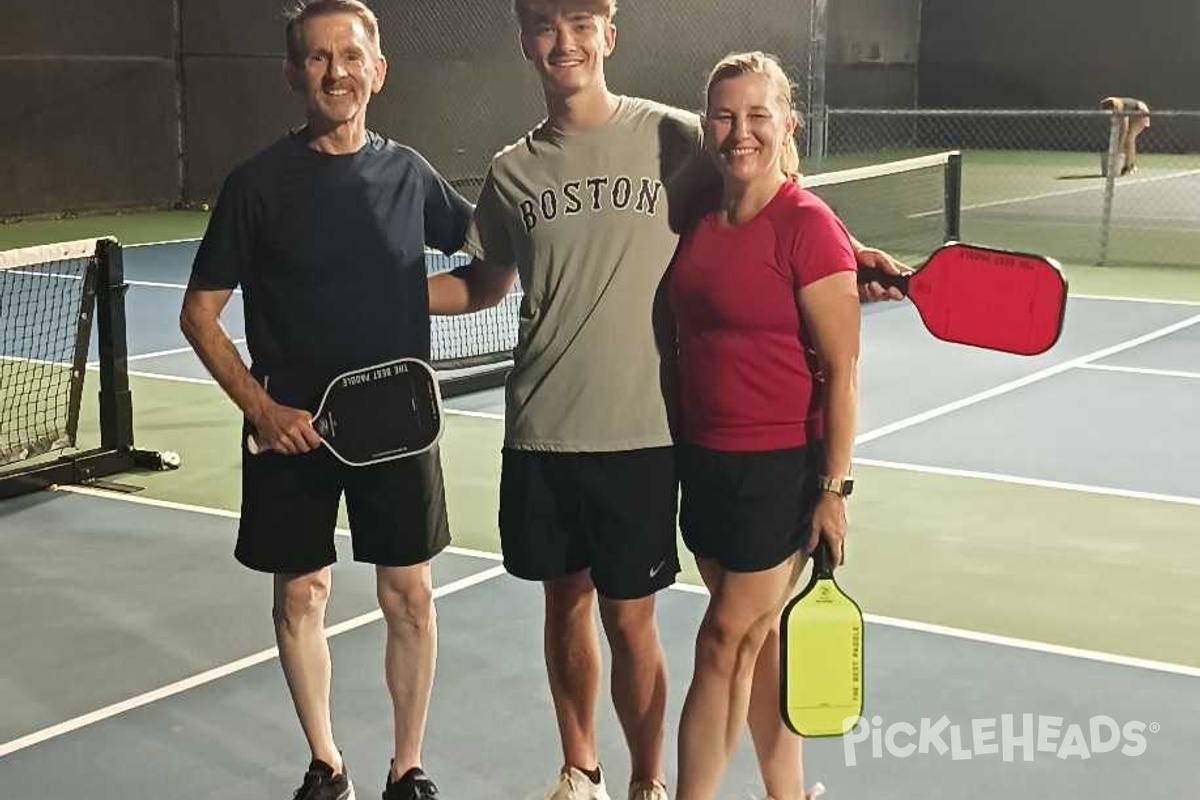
[906,207]
[47,297]
[471,341]
[51,296]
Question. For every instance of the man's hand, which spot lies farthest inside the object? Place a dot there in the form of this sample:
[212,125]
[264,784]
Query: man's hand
[874,257]
[284,430]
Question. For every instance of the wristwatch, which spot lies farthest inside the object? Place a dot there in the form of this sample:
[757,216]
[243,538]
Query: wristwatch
[839,486]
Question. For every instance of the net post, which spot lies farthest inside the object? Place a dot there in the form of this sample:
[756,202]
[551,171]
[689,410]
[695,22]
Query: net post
[83,334]
[1112,167]
[116,404]
[953,209]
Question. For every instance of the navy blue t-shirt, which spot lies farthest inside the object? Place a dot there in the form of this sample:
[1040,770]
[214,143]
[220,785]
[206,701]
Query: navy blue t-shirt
[329,252]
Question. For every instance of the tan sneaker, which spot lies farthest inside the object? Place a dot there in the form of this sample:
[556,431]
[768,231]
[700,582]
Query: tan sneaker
[575,785]
[648,790]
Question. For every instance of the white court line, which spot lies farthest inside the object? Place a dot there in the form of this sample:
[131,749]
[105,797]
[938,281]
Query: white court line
[223,671]
[1005,388]
[172,352]
[158,285]
[1167,373]
[1022,481]
[156,244]
[31,274]
[158,376]
[178,287]
[1082,190]
[39,361]
[143,284]
[477,414]
[1158,300]
[1009,641]
[174,378]
[175,351]
[227,514]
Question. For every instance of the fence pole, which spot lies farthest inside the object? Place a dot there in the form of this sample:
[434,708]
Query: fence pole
[181,189]
[1112,161]
[817,122]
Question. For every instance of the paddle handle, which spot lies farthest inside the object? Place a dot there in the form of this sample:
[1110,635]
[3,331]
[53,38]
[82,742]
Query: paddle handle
[884,279]
[822,560]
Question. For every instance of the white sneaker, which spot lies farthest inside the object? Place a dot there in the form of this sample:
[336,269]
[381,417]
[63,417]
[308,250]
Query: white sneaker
[575,785]
[818,790]
[648,790]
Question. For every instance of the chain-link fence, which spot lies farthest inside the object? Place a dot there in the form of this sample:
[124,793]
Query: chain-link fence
[89,117]
[457,87]
[155,104]
[1043,181]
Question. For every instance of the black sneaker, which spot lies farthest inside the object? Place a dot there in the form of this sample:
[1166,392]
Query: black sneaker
[321,784]
[413,785]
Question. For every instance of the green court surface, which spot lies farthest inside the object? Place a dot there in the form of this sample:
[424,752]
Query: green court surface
[1118,575]
[140,227]
[1050,202]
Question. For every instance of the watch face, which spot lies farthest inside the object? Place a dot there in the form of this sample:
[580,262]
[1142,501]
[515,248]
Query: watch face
[841,487]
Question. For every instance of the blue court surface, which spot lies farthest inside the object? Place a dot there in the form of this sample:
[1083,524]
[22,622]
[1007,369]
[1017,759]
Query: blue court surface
[139,661]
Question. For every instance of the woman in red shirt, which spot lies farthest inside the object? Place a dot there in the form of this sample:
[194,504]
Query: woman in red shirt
[763,290]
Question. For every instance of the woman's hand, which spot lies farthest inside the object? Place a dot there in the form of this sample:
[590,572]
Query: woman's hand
[829,522]
[874,257]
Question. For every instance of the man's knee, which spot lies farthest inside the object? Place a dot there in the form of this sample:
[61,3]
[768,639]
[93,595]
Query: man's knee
[405,597]
[569,597]
[301,597]
[629,625]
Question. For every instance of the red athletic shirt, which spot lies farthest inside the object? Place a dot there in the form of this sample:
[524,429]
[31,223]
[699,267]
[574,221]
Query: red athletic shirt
[745,359]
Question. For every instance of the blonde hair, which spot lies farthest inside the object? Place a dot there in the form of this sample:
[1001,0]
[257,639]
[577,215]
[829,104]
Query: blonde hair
[530,10]
[759,63]
[307,9]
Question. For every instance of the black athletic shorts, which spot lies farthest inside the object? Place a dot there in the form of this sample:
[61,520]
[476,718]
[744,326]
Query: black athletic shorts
[748,511]
[396,509]
[612,513]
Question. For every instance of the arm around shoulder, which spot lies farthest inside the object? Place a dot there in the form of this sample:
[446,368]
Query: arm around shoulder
[476,286]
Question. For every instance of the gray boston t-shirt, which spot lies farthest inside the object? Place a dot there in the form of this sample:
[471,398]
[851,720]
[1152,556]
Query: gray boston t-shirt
[591,221]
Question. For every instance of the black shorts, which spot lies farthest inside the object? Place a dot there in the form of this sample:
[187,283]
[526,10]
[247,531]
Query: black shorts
[747,511]
[397,509]
[612,513]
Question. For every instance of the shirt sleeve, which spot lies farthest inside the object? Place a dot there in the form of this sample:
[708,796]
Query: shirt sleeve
[447,213]
[820,247]
[488,236]
[224,257]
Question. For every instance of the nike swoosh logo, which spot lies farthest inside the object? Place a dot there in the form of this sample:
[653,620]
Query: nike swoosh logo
[657,569]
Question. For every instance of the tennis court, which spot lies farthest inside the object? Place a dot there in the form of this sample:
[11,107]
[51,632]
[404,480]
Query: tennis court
[1058,202]
[1023,541]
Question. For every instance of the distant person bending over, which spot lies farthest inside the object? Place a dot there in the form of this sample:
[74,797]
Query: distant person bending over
[1131,125]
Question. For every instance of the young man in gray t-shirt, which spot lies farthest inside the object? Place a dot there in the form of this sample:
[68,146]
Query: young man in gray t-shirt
[587,209]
